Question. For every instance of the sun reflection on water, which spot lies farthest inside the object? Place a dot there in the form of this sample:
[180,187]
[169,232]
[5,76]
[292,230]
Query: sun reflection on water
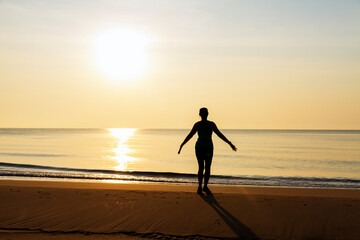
[122,150]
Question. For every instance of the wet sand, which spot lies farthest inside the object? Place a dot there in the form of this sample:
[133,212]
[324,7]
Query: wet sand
[71,210]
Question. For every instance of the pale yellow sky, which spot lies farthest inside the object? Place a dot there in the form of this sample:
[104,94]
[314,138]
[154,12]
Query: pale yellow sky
[263,64]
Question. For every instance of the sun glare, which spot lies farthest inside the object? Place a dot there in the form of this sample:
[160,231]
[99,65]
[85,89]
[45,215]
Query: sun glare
[121,53]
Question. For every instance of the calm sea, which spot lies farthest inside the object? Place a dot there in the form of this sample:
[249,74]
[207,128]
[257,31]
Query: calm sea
[297,158]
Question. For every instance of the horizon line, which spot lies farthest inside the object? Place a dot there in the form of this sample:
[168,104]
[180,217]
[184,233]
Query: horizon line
[280,129]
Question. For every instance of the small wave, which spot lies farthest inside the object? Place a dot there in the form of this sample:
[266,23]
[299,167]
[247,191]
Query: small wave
[79,176]
[33,155]
[39,171]
[101,171]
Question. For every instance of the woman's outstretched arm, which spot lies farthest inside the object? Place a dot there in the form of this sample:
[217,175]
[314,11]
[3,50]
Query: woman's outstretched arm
[220,135]
[189,136]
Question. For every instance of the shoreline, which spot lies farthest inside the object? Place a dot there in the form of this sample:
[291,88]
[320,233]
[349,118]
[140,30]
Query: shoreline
[166,178]
[174,187]
[108,210]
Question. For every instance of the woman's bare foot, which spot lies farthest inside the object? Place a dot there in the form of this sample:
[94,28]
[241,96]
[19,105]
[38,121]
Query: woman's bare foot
[207,190]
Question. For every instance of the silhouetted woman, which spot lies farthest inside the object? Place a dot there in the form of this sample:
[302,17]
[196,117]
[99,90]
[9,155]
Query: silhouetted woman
[204,147]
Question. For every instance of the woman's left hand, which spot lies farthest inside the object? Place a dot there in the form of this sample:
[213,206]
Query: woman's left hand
[233,147]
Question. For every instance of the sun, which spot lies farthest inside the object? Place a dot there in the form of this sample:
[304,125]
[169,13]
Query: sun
[120,53]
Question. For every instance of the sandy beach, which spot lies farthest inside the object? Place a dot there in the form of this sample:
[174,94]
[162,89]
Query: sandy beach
[73,210]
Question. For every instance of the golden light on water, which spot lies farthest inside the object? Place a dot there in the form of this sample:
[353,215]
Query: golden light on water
[122,150]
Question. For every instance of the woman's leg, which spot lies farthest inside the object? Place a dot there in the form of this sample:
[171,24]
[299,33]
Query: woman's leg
[200,160]
[208,160]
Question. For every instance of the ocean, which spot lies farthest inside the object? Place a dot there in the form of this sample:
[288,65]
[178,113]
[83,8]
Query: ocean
[281,158]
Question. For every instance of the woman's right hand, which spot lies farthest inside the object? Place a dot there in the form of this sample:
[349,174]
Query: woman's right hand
[180,148]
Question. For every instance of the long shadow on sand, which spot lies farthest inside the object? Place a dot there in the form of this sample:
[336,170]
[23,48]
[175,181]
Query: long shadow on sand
[242,231]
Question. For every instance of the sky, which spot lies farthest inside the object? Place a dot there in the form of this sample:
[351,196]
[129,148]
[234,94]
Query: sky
[254,64]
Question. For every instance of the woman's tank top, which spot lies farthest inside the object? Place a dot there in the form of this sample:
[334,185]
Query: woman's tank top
[204,133]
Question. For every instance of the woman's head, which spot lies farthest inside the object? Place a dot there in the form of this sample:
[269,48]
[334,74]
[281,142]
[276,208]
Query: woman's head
[203,113]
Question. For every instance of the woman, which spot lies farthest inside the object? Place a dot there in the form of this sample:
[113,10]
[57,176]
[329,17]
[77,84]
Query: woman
[204,147]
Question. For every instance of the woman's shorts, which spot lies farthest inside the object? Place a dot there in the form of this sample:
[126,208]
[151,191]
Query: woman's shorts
[204,154]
